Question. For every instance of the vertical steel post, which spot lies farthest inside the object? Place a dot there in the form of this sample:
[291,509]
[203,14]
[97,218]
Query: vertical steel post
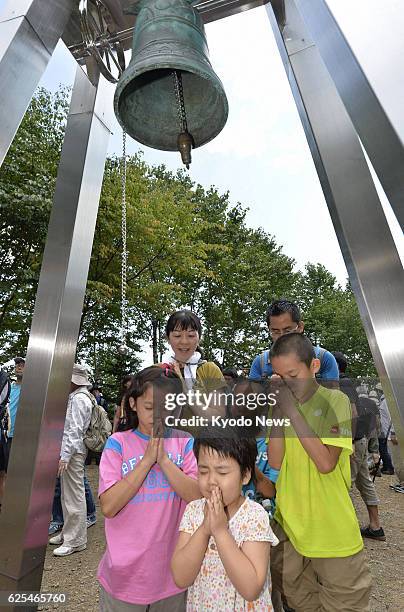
[29,33]
[368,248]
[51,351]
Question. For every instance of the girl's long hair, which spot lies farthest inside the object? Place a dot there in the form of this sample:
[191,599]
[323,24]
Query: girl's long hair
[163,380]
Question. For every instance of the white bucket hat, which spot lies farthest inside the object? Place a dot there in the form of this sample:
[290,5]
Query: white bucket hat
[80,376]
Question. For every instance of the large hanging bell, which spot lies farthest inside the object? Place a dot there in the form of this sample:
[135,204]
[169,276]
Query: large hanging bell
[169,97]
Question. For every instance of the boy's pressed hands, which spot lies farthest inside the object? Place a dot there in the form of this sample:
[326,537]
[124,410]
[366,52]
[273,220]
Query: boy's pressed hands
[285,400]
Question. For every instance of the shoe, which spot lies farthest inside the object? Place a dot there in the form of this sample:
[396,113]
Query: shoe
[91,520]
[54,528]
[373,534]
[398,488]
[388,472]
[57,539]
[63,551]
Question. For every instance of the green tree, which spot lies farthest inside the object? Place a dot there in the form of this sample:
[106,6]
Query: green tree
[247,269]
[187,247]
[332,318]
[27,181]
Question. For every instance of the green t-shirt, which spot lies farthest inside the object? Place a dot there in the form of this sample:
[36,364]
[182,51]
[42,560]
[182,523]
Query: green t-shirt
[315,509]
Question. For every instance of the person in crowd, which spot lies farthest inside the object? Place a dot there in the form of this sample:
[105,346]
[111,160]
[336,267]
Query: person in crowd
[4,416]
[102,402]
[8,420]
[364,410]
[57,521]
[373,437]
[230,375]
[14,400]
[145,483]
[262,486]
[222,554]
[119,423]
[183,332]
[320,563]
[100,399]
[73,537]
[386,430]
[284,317]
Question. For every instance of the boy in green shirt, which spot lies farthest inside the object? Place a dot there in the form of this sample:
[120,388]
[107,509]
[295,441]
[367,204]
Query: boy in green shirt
[320,564]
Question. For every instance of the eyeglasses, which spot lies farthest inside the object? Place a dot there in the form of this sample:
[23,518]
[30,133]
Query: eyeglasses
[283,332]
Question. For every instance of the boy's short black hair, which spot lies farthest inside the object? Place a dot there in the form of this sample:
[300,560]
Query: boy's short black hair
[230,372]
[295,343]
[229,443]
[341,360]
[280,307]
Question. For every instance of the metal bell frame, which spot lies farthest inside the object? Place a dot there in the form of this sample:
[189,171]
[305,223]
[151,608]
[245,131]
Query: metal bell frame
[339,96]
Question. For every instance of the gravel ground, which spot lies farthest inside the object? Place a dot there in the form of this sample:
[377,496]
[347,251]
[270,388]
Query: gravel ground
[75,575]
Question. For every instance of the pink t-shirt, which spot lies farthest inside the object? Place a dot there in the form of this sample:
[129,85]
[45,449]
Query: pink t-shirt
[141,538]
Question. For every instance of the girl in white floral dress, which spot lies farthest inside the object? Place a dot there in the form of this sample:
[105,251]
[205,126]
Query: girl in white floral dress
[222,554]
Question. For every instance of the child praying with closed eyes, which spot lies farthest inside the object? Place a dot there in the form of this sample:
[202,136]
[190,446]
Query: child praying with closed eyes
[222,554]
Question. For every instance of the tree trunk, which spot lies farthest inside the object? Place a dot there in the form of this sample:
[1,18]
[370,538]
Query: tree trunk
[155,341]
[160,343]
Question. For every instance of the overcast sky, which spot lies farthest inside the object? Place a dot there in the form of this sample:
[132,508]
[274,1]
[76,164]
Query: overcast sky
[261,156]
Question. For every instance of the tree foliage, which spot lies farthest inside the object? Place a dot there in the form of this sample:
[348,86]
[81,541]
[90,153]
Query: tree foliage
[187,247]
[27,181]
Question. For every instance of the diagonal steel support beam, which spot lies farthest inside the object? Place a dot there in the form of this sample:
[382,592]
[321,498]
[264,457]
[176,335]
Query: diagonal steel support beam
[362,46]
[29,33]
[30,484]
[368,248]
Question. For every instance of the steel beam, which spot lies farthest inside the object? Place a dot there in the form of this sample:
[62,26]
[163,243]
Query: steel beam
[29,33]
[362,45]
[374,267]
[30,484]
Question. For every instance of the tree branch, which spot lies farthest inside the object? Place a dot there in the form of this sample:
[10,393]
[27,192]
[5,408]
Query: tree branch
[148,265]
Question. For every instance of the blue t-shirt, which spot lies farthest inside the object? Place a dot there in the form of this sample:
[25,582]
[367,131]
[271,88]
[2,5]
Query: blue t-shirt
[328,366]
[263,465]
[13,406]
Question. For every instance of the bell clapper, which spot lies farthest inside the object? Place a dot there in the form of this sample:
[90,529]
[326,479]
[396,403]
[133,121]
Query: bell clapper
[185,142]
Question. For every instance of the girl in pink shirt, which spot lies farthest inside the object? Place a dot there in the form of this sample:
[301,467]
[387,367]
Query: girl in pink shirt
[145,484]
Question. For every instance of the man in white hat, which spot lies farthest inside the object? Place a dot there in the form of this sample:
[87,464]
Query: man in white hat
[73,537]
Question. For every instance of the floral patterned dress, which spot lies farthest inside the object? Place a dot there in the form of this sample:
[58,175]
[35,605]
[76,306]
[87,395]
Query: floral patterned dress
[212,589]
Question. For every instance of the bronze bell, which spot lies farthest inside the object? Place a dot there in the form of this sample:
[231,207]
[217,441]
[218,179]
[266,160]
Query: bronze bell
[169,97]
